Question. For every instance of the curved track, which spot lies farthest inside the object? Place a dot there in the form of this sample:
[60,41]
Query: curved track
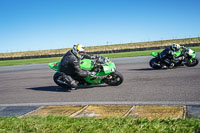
[33,85]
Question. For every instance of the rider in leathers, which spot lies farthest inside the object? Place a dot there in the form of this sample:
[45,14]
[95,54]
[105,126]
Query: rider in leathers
[168,57]
[70,66]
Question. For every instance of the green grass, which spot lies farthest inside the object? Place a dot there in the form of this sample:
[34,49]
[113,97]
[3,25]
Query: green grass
[129,54]
[29,61]
[139,53]
[58,124]
[55,59]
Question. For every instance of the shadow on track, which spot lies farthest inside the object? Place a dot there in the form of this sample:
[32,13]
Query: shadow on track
[60,89]
[161,69]
[49,88]
[146,69]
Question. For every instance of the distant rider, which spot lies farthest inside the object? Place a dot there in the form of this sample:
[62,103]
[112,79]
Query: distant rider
[70,66]
[168,57]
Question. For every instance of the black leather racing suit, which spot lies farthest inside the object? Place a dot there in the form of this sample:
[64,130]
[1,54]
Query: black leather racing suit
[70,68]
[167,56]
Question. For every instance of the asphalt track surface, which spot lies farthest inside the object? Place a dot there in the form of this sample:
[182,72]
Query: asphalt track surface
[32,85]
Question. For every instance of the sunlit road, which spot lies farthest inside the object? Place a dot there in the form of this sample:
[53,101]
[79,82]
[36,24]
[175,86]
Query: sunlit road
[33,85]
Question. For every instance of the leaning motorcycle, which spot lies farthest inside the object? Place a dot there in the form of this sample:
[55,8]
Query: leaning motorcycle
[189,59]
[105,72]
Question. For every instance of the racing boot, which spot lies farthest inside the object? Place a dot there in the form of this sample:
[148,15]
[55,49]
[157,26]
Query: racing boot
[171,66]
[73,84]
[163,66]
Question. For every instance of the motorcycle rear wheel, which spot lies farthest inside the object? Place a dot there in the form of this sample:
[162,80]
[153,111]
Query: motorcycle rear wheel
[116,79]
[153,63]
[57,76]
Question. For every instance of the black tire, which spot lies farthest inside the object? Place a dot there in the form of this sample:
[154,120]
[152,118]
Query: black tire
[153,62]
[117,79]
[57,76]
[195,61]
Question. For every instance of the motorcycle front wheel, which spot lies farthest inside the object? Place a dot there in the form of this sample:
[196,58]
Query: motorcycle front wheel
[114,79]
[194,62]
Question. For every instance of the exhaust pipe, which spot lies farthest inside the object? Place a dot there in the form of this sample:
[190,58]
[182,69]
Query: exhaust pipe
[61,82]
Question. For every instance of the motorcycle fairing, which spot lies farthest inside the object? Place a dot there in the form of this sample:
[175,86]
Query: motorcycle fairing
[87,64]
[54,66]
[178,53]
[154,54]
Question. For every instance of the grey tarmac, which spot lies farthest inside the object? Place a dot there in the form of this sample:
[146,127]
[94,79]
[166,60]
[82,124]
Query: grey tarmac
[32,85]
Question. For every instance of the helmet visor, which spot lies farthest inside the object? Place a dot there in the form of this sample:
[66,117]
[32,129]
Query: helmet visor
[81,53]
[176,49]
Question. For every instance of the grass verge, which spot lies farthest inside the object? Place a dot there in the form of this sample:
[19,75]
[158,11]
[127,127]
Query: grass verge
[57,124]
[28,61]
[105,47]
[55,59]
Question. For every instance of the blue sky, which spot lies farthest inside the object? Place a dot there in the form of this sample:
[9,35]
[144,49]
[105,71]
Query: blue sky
[50,24]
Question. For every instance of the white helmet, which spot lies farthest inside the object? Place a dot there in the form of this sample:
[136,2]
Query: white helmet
[175,47]
[79,50]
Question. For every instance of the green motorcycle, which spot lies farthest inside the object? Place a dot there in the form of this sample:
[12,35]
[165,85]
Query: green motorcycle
[105,72]
[189,59]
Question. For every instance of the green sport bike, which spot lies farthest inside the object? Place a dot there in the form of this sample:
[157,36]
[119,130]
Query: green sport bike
[105,72]
[187,55]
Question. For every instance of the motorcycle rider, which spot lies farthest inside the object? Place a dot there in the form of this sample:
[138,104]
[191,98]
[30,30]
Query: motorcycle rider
[70,66]
[168,57]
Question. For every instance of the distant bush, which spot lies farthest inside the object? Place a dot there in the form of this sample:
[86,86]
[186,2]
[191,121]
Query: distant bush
[102,49]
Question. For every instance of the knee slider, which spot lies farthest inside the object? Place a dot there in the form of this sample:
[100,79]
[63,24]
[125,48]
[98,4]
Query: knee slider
[74,84]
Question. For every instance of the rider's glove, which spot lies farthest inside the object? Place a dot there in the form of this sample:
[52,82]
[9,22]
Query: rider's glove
[92,74]
[183,47]
[97,56]
[181,58]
